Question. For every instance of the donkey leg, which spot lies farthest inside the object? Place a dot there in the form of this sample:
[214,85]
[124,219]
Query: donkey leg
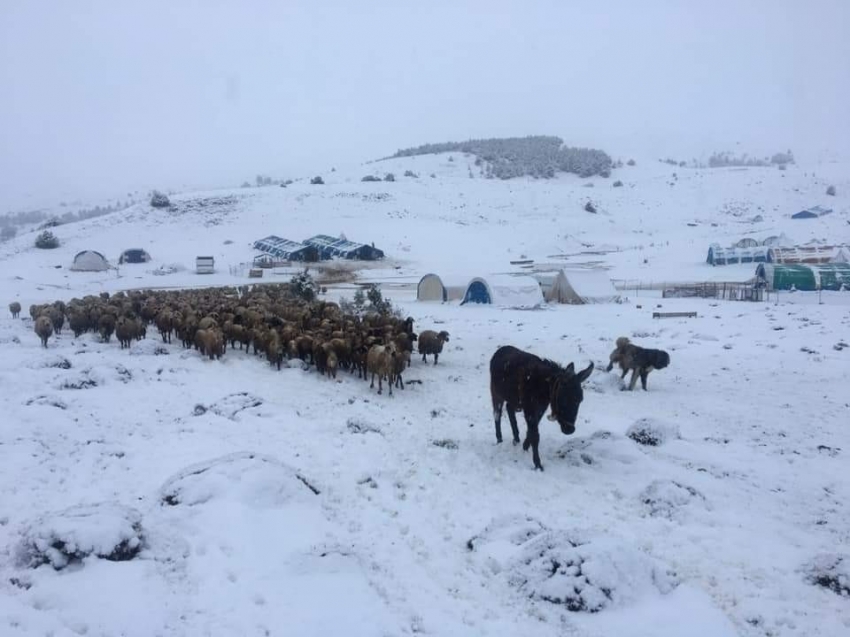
[633,381]
[534,439]
[514,427]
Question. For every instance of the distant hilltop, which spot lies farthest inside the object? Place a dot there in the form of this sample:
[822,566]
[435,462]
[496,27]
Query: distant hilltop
[539,156]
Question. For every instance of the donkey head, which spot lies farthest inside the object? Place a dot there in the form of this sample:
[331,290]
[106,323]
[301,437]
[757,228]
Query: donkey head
[565,396]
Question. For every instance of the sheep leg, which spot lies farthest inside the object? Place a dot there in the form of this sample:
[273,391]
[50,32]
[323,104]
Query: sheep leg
[436,356]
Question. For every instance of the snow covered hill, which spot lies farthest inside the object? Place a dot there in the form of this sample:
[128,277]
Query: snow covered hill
[182,496]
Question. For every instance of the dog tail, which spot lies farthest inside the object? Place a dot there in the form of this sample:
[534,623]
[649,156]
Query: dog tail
[662,360]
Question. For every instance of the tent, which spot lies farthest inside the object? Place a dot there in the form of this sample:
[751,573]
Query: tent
[286,250]
[134,255]
[727,256]
[804,277]
[504,290]
[777,241]
[842,255]
[812,213]
[578,286]
[746,242]
[330,247]
[89,261]
[802,254]
[432,287]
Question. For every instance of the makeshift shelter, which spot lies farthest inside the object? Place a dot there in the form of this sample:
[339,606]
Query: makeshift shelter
[134,255]
[331,247]
[746,242]
[804,277]
[777,241]
[89,261]
[286,250]
[812,213]
[577,286]
[842,255]
[801,254]
[504,290]
[727,256]
[432,287]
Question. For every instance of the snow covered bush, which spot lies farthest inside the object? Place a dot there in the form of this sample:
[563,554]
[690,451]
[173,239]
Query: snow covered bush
[389,177]
[589,207]
[631,162]
[585,576]
[410,173]
[830,571]
[159,200]
[371,178]
[108,531]
[618,184]
[242,477]
[831,191]
[664,498]
[46,241]
[647,431]
[317,181]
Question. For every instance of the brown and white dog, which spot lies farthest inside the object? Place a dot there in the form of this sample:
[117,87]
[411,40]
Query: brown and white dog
[638,359]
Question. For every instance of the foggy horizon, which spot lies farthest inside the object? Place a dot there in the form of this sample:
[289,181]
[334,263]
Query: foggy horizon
[101,100]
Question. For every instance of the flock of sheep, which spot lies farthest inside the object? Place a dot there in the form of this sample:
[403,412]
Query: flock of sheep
[267,319]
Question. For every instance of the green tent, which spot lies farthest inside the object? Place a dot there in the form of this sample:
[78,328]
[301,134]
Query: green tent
[805,277]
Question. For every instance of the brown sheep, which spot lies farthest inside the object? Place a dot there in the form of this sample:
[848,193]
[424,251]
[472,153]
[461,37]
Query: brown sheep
[332,364]
[106,326]
[431,342]
[274,349]
[380,361]
[44,329]
[125,331]
[165,325]
[400,363]
[15,309]
[79,321]
[213,343]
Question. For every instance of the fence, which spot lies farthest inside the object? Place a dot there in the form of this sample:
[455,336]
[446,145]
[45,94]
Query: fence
[712,290]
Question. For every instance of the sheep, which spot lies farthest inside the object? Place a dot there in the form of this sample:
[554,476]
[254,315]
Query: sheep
[380,361]
[431,342]
[332,363]
[57,317]
[106,327]
[15,309]
[400,363]
[404,343]
[78,320]
[274,349]
[213,342]
[165,324]
[44,329]
[125,331]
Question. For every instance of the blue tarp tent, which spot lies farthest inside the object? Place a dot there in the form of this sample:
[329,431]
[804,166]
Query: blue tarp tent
[331,247]
[286,250]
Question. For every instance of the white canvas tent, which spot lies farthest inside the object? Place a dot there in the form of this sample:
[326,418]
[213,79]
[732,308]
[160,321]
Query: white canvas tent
[433,287]
[89,261]
[505,291]
[578,287]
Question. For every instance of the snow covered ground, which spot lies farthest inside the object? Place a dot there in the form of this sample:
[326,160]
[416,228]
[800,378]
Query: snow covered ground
[256,502]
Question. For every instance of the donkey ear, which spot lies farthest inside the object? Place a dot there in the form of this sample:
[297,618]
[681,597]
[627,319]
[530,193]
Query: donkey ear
[571,369]
[584,374]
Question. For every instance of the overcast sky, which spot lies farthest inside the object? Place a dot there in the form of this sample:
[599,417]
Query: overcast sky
[98,98]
